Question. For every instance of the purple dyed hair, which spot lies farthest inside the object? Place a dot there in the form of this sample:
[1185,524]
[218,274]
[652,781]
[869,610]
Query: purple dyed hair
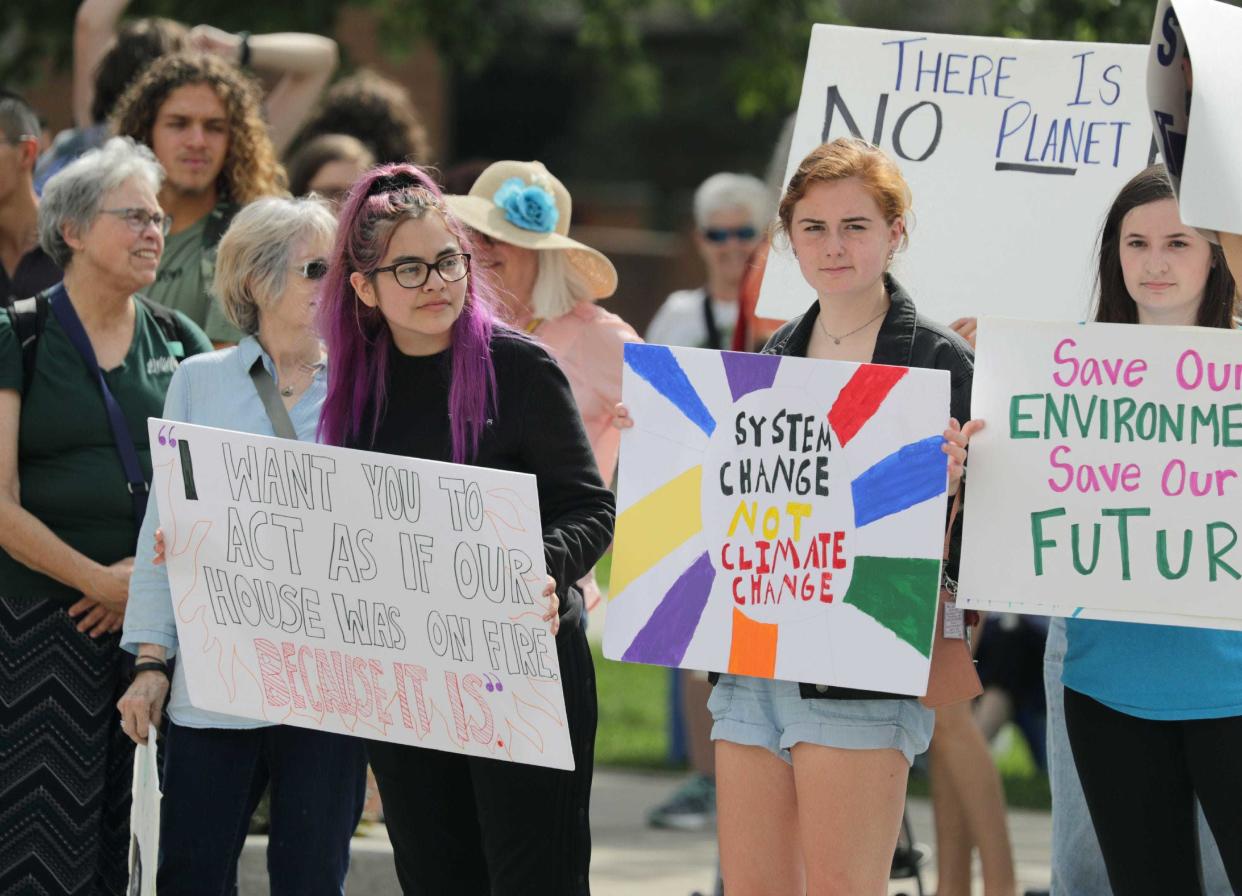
[358,337]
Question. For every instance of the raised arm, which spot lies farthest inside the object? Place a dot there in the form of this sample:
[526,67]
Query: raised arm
[94,29]
[302,63]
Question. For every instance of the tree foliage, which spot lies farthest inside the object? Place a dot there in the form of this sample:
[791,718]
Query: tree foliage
[610,35]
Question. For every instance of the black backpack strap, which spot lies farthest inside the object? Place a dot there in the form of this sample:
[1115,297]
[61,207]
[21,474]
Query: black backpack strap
[29,317]
[166,320]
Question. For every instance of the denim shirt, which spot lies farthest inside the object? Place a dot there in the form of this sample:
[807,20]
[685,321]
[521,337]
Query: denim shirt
[209,390]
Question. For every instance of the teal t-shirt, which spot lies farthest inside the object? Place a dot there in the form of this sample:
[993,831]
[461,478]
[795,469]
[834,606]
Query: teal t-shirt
[70,473]
[1161,672]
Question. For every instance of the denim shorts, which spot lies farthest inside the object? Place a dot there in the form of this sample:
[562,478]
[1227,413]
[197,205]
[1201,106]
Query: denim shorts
[762,712]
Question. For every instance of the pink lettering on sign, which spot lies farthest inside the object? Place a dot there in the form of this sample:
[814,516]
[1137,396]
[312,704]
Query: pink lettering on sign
[1088,478]
[1073,371]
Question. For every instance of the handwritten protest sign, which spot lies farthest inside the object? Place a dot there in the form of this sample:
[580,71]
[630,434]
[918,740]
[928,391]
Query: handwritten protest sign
[779,517]
[360,593]
[1109,474]
[1006,145]
[144,822]
[1200,150]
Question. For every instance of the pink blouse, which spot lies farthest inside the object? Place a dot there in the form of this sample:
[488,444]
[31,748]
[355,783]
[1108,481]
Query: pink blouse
[589,344]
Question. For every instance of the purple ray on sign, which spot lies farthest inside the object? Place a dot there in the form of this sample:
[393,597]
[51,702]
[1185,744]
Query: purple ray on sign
[749,373]
[665,637]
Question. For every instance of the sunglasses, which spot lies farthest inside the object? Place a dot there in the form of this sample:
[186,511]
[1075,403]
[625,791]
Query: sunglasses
[315,269]
[724,234]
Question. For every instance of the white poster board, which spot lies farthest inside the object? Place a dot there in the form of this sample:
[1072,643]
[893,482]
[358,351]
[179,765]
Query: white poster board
[1201,149]
[144,821]
[779,517]
[1013,150]
[1109,474]
[362,593]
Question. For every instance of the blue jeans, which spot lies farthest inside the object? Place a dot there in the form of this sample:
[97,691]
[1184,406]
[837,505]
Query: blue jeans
[1077,864]
[214,778]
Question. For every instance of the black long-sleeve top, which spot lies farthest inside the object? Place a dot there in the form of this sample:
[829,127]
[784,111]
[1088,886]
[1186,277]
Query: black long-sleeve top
[536,428]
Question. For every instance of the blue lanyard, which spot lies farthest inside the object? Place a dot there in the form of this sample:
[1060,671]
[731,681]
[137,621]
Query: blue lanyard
[121,437]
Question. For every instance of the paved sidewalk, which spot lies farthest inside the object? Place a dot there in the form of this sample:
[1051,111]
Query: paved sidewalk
[630,859]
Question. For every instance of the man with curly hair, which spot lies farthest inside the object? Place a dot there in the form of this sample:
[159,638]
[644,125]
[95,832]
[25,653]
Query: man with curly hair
[201,117]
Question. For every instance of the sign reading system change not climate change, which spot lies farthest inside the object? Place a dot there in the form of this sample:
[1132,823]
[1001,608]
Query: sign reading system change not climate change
[779,517]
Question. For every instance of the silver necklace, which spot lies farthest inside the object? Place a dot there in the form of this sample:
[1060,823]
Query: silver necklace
[836,340]
[287,391]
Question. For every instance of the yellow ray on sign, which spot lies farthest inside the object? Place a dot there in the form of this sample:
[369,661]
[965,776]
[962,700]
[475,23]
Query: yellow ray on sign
[651,529]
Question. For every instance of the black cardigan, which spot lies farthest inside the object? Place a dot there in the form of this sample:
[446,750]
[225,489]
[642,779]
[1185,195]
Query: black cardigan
[906,339]
[536,428]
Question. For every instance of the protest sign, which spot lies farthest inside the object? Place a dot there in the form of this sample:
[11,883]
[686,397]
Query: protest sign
[1200,150]
[779,517]
[1013,150]
[144,821]
[361,593]
[1108,475]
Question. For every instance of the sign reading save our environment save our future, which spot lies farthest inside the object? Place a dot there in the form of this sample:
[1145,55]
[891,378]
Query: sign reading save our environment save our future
[361,593]
[1108,476]
[779,517]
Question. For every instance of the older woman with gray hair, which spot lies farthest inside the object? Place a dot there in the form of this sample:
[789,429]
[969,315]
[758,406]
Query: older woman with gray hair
[217,766]
[730,214]
[82,366]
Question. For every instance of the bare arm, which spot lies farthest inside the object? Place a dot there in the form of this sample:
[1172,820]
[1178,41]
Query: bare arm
[93,31]
[29,541]
[304,64]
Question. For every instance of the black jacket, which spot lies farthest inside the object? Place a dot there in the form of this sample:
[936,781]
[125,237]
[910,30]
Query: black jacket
[906,339]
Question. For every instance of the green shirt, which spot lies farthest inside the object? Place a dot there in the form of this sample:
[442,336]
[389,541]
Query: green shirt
[70,472]
[187,269]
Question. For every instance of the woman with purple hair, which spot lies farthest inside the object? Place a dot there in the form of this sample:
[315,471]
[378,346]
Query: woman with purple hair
[419,367]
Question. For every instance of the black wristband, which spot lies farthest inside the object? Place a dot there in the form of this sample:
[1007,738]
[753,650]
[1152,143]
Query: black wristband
[243,56]
[162,668]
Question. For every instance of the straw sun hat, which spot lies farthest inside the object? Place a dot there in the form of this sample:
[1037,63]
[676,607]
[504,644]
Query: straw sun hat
[522,204]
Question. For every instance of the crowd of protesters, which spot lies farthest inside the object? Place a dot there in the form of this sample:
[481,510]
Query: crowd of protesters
[282,262]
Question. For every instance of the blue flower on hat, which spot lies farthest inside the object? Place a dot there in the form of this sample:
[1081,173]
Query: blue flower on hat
[528,206]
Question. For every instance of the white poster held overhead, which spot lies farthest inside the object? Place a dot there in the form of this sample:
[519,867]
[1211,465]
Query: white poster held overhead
[1108,476]
[362,593]
[779,517]
[1006,144]
[144,821]
[1200,149]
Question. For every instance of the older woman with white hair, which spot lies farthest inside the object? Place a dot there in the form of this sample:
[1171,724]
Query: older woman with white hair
[82,366]
[730,211]
[217,766]
[550,283]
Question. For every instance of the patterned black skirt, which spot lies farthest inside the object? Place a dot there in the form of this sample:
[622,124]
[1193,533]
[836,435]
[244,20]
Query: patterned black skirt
[65,766]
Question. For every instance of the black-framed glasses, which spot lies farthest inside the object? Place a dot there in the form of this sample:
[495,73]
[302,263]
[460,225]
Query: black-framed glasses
[413,274]
[723,234]
[315,269]
[139,219]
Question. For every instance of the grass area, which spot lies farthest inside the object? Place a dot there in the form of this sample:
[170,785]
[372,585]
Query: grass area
[633,713]
[633,732]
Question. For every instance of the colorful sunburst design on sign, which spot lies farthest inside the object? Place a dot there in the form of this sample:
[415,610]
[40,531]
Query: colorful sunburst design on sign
[688,515]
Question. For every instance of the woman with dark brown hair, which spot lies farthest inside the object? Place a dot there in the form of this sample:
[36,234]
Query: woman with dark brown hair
[1158,704]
